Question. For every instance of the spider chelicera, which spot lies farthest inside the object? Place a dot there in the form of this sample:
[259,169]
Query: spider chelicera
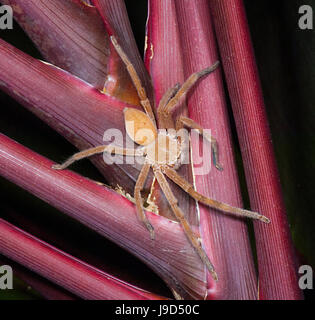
[162,152]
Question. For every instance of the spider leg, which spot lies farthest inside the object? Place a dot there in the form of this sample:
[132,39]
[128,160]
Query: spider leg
[223,207]
[183,221]
[184,121]
[168,95]
[165,120]
[187,86]
[97,150]
[137,194]
[135,79]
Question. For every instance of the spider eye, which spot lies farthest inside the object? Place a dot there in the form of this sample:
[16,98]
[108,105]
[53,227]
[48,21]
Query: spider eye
[139,126]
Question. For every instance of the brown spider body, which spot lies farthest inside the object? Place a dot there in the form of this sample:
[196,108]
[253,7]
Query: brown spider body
[160,147]
[162,151]
[165,150]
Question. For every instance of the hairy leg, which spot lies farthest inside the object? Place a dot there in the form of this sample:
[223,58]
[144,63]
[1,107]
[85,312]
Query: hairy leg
[183,221]
[223,207]
[135,79]
[139,204]
[97,150]
[165,120]
[188,84]
[184,121]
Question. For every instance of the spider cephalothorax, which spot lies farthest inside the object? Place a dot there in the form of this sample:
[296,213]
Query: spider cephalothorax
[165,150]
[160,147]
[162,151]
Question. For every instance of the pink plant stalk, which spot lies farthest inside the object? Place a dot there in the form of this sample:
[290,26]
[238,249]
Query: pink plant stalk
[180,42]
[276,258]
[47,289]
[74,275]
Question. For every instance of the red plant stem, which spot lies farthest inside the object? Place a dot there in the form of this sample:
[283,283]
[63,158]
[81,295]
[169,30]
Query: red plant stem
[74,275]
[44,287]
[69,105]
[224,237]
[180,42]
[276,259]
[80,46]
[170,255]
[163,59]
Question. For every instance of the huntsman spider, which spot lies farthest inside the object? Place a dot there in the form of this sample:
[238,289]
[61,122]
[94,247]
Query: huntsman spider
[162,152]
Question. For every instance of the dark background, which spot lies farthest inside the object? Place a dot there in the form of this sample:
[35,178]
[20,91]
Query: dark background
[285,57]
